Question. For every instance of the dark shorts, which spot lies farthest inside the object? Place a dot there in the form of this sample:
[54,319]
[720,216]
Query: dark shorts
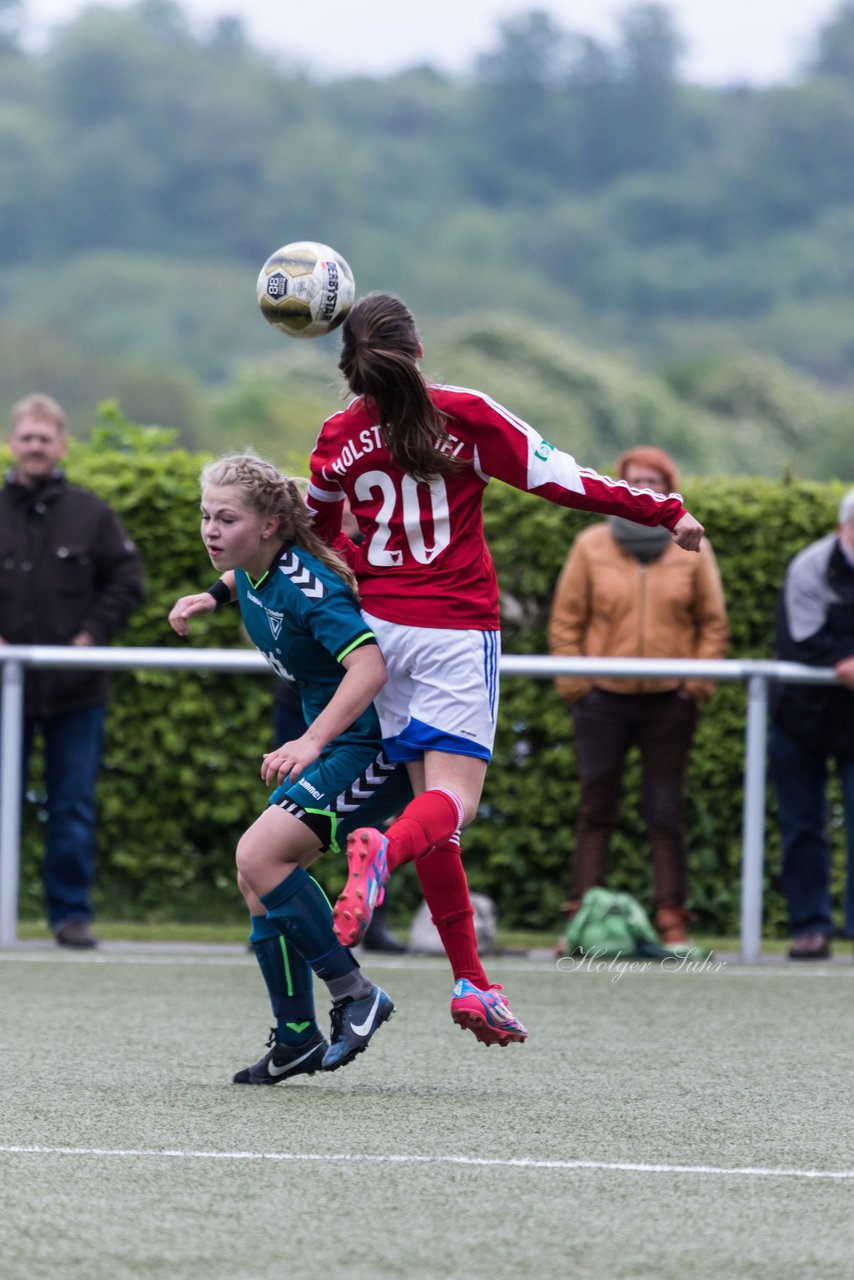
[351,787]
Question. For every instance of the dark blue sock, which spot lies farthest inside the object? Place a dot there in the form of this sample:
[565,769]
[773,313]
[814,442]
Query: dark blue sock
[289,982]
[300,909]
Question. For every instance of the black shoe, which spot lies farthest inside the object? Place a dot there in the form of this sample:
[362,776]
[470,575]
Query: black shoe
[75,933]
[285,1060]
[380,938]
[810,946]
[353,1024]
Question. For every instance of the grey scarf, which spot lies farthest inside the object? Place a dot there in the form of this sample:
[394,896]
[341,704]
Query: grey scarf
[644,543]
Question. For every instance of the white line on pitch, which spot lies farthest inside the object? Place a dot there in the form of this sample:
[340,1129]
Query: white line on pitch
[477,1161]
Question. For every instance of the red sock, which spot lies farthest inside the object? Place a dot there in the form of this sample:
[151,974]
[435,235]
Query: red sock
[446,892]
[428,820]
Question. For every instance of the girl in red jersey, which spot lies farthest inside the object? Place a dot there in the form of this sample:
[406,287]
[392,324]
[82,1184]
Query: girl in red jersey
[414,460]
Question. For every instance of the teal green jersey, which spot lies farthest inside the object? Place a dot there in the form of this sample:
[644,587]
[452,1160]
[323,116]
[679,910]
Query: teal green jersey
[305,621]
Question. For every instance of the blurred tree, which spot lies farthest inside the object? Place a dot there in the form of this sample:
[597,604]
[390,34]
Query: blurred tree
[595,112]
[835,45]
[26,186]
[651,130]
[522,104]
[11,23]
[228,36]
[159,393]
[799,156]
[533,53]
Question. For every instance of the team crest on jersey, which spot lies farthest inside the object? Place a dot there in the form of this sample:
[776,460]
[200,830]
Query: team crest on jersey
[301,576]
[275,621]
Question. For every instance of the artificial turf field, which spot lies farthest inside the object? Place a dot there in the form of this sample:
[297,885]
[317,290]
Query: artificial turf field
[656,1124]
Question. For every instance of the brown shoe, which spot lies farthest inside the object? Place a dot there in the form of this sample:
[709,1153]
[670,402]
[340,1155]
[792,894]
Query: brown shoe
[810,946]
[75,933]
[672,926]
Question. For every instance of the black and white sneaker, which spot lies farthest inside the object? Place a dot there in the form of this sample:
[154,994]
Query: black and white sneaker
[285,1060]
[353,1024]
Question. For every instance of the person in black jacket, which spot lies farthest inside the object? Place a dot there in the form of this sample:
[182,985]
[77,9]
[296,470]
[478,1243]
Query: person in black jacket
[69,574]
[812,725]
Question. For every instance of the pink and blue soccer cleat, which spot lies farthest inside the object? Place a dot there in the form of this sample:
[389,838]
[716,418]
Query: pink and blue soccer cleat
[367,873]
[486,1014]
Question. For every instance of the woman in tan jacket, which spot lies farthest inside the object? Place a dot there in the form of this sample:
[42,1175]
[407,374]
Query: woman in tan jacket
[629,591]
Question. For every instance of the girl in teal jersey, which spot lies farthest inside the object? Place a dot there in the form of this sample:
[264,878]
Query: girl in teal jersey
[298,604]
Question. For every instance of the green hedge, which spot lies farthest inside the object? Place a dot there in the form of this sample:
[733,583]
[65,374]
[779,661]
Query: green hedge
[181,777]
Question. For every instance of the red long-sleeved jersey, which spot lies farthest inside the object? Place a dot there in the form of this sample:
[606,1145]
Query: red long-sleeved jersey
[424,560]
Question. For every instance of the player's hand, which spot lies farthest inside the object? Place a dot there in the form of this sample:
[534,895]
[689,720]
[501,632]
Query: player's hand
[688,533]
[190,607]
[289,761]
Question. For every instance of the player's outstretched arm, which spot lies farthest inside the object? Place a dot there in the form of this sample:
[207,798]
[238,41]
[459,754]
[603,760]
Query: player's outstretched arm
[190,607]
[687,533]
[196,606]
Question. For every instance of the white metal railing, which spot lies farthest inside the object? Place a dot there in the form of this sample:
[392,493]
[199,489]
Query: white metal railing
[756,674]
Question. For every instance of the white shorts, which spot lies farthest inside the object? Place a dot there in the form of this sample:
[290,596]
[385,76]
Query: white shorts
[442,690]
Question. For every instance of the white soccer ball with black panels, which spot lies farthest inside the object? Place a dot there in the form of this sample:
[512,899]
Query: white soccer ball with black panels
[305,289]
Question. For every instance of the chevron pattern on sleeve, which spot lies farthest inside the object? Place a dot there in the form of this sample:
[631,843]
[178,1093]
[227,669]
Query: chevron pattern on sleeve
[301,576]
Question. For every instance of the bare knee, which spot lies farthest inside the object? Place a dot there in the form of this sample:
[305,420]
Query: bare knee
[249,897]
[247,859]
[462,775]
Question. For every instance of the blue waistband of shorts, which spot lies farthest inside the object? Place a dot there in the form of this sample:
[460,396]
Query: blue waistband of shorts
[419,737]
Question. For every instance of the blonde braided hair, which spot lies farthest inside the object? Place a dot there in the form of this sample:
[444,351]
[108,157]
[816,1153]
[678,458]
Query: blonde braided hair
[266,491]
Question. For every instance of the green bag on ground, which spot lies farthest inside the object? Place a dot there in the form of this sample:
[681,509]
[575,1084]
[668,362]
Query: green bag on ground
[611,925]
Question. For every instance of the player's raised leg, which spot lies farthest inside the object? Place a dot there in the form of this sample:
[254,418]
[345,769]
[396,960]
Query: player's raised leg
[428,820]
[367,874]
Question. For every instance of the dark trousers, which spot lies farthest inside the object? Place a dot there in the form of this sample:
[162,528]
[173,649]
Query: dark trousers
[606,725]
[800,782]
[73,747]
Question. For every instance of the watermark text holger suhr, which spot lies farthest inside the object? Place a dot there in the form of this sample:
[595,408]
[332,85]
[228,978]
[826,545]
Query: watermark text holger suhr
[617,967]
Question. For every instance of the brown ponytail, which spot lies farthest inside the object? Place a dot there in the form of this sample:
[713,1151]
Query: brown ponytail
[380,349]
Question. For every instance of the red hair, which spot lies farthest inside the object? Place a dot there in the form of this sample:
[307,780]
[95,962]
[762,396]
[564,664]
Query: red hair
[647,455]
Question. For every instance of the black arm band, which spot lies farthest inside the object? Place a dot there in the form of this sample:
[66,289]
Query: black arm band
[220,592]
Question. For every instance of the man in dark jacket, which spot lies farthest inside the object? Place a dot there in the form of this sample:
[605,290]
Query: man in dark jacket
[813,724]
[69,574]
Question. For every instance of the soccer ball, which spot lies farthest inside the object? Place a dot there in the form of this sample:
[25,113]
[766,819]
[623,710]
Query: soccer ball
[305,289]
